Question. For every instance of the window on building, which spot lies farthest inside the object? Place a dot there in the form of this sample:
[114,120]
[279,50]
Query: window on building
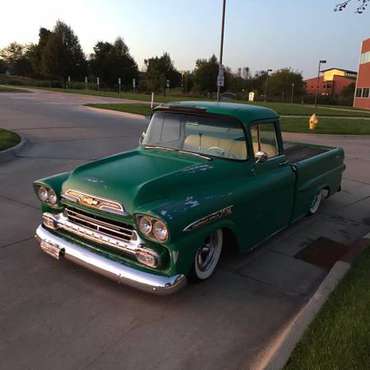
[358,92]
[365,92]
[365,57]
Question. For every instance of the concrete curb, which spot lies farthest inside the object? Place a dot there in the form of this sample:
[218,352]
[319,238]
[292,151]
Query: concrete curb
[279,354]
[115,113]
[276,357]
[11,153]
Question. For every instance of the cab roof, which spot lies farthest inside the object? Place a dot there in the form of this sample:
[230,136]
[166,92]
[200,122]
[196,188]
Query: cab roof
[246,113]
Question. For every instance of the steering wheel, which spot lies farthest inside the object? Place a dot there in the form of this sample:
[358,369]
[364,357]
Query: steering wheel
[216,150]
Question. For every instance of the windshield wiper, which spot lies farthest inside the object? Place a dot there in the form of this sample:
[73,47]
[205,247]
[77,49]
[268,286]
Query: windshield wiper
[196,154]
[150,146]
[160,147]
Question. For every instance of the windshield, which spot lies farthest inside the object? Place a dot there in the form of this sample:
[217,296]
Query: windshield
[206,135]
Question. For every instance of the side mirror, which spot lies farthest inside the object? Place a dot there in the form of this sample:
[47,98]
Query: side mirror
[261,157]
[142,136]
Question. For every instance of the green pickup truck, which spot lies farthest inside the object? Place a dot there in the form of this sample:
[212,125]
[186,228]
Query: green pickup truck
[205,176]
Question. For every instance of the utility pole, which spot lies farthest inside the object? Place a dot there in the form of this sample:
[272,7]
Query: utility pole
[318,82]
[221,74]
[267,83]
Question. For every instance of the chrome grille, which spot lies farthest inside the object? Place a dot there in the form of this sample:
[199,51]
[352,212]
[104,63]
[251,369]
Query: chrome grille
[111,228]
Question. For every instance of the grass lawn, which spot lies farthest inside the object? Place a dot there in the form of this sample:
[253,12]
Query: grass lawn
[339,126]
[339,337]
[143,109]
[8,139]
[326,126]
[308,110]
[12,89]
[114,94]
[281,108]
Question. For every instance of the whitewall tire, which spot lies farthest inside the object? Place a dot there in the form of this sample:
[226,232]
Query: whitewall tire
[207,256]
[316,202]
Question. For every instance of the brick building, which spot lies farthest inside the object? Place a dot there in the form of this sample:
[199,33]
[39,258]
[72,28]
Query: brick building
[331,82]
[362,95]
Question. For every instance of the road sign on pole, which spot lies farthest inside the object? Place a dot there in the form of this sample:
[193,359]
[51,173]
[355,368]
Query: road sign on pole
[221,77]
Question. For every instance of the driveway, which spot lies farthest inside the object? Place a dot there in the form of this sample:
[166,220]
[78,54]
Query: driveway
[59,316]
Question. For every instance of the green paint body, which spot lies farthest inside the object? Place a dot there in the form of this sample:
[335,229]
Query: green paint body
[181,189]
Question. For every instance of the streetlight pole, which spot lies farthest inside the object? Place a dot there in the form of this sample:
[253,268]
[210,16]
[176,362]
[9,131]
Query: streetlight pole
[292,97]
[318,82]
[267,83]
[220,78]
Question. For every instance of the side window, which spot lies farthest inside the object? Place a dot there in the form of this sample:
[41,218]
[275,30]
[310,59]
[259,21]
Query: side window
[264,139]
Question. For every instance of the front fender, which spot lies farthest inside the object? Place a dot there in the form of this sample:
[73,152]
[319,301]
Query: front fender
[54,182]
[184,248]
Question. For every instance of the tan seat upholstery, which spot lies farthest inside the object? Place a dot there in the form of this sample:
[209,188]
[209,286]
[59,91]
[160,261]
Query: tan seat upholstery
[269,149]
[233,149]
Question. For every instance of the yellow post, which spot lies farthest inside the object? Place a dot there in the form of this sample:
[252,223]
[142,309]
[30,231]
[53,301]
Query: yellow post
[313,122]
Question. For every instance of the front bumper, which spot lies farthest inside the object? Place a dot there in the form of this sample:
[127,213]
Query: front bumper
[152,283]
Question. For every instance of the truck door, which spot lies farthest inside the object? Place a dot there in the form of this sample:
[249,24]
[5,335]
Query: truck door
[273,178]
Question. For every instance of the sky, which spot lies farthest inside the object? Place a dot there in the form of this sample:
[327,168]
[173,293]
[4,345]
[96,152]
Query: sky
[260,34]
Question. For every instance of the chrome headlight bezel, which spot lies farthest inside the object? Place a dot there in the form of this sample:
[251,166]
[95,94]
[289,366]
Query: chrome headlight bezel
[47,195]
[151,234]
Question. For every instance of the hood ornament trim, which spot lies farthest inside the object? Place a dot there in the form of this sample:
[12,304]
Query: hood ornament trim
[93,201]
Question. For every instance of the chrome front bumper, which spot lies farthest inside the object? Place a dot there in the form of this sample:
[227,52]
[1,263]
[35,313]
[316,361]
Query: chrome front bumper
[61,248]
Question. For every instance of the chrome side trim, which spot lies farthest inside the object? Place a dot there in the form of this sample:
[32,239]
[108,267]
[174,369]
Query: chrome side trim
[148,282]
[210,218]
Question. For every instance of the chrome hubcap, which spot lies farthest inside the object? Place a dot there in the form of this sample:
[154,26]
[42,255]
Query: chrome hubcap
[206,253]
[316,203]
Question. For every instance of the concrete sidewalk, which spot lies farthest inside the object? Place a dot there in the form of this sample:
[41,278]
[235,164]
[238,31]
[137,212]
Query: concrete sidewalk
[64,317]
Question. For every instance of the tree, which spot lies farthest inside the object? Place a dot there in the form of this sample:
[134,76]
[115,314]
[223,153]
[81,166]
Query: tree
[63,55]
[360,8]
[17,60]
[187,82]
[110,61]
[281,83]
[159,70]
[3,66]
[36,51]
[205,74]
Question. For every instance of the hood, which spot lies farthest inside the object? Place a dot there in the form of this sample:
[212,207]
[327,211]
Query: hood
[140,176]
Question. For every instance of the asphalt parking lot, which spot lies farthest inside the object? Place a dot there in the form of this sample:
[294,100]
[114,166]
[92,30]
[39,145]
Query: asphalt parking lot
[58,316]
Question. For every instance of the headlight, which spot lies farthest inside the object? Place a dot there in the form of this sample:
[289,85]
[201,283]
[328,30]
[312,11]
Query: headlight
[145,225]
[160,231]
[42,193]
[47,195]
[53,199]
[152,228]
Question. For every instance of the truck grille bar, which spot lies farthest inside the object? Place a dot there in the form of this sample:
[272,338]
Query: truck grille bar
[119,230]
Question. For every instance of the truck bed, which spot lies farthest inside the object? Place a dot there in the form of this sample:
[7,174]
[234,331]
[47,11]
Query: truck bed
[296,152]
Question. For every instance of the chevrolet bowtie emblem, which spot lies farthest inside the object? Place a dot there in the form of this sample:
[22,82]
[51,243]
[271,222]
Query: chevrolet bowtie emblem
[89,201]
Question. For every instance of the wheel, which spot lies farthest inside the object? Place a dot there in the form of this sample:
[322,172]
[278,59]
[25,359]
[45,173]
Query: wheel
[207,256]
[315,205]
